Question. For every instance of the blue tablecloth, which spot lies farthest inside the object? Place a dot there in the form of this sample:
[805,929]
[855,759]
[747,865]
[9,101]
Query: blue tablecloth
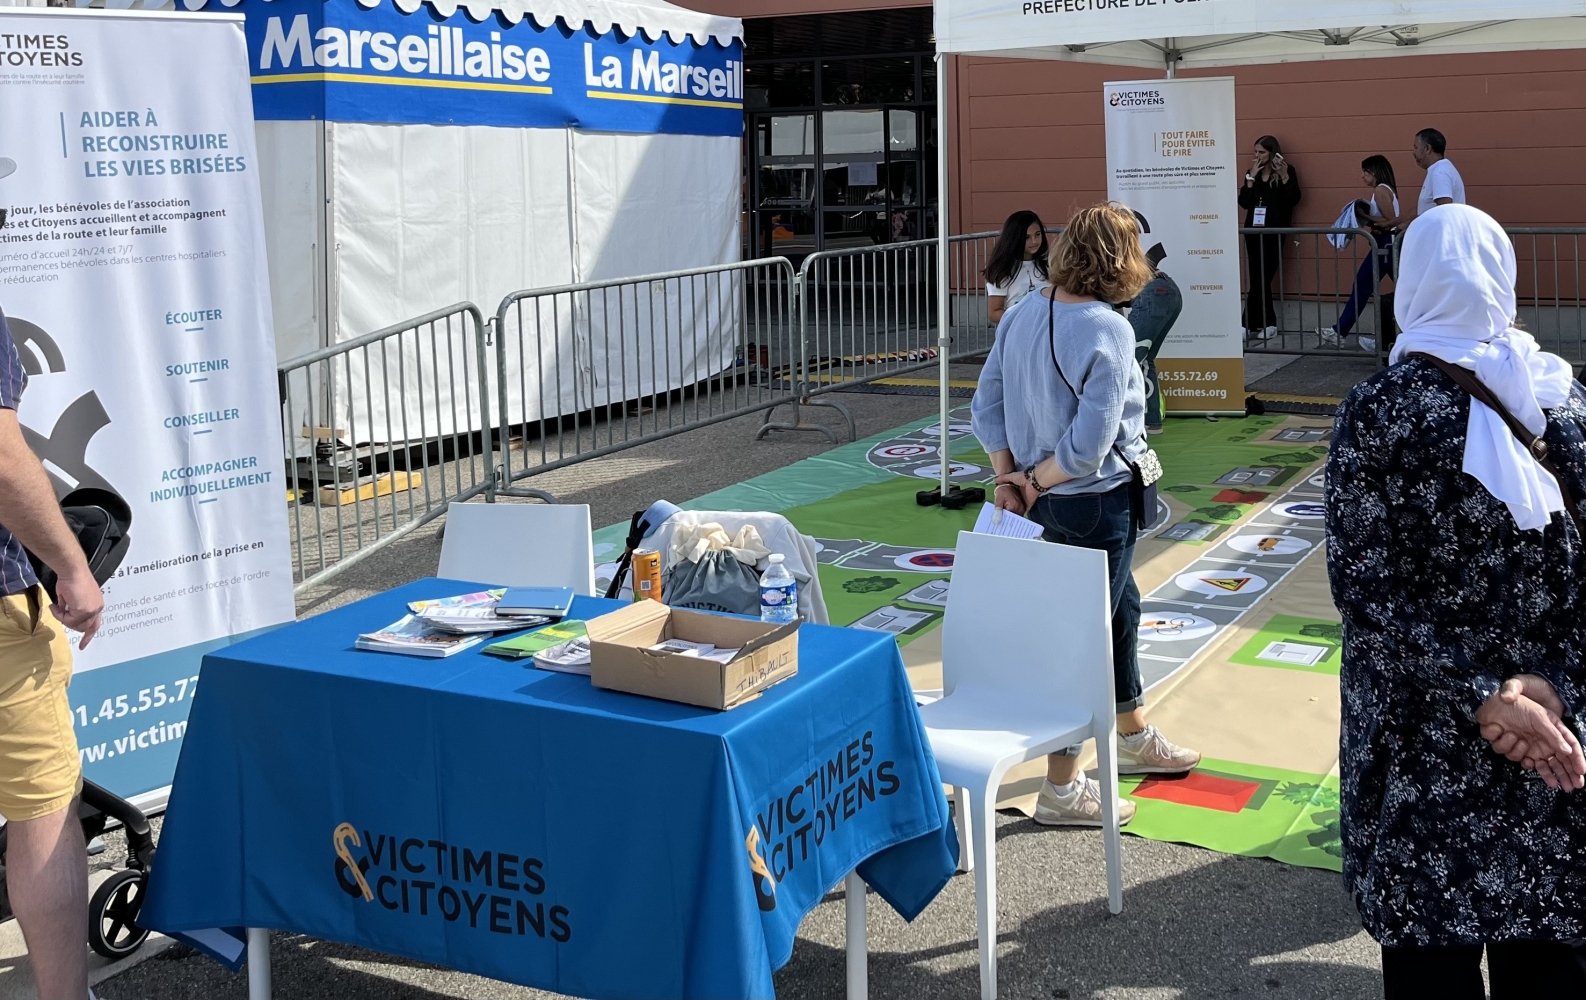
[527,826]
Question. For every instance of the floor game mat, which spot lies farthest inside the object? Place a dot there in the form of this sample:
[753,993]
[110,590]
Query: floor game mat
[1233,588]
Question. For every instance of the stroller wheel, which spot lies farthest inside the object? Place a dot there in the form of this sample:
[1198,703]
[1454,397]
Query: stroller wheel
[113,929]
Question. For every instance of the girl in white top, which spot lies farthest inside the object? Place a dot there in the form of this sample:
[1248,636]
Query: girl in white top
[1018,263]
[1383,220]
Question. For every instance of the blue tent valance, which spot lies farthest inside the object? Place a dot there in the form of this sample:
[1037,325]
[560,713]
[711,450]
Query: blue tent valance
[342,61]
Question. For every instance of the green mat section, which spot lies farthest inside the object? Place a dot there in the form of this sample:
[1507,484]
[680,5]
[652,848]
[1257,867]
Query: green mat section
[1260,812]
[883,557]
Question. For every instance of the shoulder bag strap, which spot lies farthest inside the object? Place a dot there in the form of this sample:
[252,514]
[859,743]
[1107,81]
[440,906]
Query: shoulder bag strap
[1467,380]
[1051,346]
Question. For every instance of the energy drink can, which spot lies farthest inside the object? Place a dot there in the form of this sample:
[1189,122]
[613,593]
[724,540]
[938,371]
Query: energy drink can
[646,575]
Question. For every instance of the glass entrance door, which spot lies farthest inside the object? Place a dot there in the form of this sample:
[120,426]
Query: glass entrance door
[785,197]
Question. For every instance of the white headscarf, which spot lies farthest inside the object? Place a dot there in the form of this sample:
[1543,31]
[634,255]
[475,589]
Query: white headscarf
[1455,301]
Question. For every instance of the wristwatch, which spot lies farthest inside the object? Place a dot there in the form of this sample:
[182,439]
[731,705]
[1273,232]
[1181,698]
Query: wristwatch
[1482,687]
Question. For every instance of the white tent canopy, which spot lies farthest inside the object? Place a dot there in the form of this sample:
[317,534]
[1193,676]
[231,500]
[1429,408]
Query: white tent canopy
[1170,34]
[1160,33]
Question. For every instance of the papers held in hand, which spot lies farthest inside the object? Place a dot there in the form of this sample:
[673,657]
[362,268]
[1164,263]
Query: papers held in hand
[1006,523]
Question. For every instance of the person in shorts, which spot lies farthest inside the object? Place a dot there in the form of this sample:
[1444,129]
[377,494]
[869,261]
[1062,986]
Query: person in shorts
[40,772]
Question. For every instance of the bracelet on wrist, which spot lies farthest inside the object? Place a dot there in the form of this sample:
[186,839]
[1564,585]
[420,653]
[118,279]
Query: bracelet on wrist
[1035,484]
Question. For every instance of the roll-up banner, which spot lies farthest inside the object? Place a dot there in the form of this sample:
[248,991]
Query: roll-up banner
[132,276]
[337,60]
[1171,158]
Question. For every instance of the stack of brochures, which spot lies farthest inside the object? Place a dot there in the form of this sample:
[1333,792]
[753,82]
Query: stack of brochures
[414,638]
[471,614]
[571,657]
[703,650]
[448,625]
[522,647]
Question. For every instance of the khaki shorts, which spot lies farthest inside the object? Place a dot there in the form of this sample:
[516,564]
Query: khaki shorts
[40,771]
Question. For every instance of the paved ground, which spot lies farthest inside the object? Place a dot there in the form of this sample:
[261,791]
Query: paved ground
[1330,377]
[1195,923]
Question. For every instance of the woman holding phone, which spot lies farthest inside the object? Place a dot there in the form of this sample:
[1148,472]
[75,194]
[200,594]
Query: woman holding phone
[1018,263]
[1268,194]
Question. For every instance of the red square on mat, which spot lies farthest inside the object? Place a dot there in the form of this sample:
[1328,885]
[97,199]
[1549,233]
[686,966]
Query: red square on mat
[1203,790]
[1239,496]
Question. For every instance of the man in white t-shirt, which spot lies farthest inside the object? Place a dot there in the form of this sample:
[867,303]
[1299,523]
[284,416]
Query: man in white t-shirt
[1443,185]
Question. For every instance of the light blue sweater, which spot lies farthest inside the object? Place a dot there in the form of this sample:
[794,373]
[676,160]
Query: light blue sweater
[1022,404]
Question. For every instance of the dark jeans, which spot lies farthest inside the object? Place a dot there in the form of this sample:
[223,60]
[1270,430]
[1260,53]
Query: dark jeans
[1519,970]
[1263,257]
[1104,521]
[1366,284]
[1152,314]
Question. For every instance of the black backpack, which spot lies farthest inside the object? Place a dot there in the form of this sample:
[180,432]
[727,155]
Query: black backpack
[100,520]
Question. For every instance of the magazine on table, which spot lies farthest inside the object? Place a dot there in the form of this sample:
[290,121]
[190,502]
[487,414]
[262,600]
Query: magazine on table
[468,621]
[552,601]
[479,599]
[467,614]
[522,647]
[412,637]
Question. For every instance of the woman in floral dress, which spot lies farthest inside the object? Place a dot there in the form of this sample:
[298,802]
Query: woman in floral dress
[1461,580]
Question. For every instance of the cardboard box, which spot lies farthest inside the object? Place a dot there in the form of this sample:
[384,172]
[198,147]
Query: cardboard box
[620,658]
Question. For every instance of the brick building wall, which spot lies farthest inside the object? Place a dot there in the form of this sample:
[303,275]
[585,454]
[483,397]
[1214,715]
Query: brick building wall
[1029,134]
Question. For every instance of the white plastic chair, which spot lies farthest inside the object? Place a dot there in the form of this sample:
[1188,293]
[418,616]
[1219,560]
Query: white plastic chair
[519,545]
[1026,670]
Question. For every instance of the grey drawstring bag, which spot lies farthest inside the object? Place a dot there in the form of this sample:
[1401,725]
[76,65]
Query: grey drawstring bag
[718,582]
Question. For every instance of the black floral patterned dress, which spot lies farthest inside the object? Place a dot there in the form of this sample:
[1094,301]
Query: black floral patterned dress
[1443,597]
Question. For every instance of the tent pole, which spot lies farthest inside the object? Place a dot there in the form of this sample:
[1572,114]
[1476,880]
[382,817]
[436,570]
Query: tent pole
[943,263]
[1170,56]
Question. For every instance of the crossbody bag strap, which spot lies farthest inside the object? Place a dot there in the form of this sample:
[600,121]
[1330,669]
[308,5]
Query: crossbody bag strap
[1051,346]
[1467,380]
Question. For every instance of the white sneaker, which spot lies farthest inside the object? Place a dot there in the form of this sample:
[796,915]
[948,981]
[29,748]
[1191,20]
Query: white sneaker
[1149,752]
[1329,336]
[1368,344]
[1080,807]
[1269,333]
[1255,336]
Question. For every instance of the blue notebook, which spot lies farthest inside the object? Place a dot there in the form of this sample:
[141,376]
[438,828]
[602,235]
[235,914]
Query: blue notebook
[553,601]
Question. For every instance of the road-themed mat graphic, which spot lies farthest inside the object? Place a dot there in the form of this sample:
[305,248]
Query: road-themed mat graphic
[1239,524]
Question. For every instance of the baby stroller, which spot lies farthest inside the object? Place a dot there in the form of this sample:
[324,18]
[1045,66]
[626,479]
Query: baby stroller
[113,929]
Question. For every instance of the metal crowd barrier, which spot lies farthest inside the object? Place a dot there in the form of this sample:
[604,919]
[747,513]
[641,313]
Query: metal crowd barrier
[1548,289]
[865,314]
[585,370]
[380,434]
[1312,282]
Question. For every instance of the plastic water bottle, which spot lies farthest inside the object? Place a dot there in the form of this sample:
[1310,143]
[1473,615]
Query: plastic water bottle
[779,593]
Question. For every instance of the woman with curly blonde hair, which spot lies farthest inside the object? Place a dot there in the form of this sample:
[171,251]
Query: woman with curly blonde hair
[1061,411]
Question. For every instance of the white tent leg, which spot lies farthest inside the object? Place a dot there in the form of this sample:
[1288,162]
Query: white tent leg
[943,264]
[858,947]
[258,964]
